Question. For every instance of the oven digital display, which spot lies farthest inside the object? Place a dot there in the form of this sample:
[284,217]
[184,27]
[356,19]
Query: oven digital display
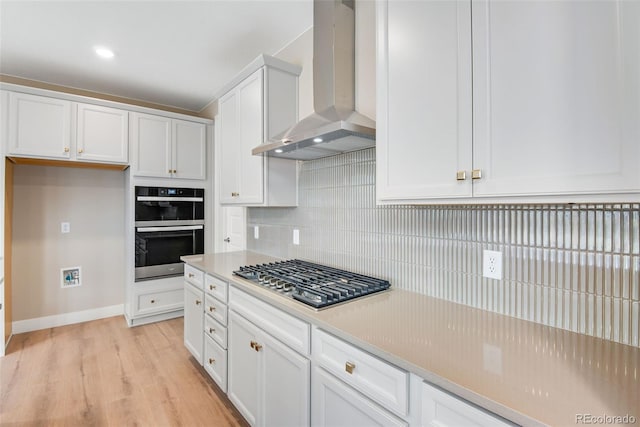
[171,191]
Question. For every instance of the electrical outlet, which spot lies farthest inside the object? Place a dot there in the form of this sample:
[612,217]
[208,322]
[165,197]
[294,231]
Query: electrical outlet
[65,227]
[492,264]
[256,232]
[296,236]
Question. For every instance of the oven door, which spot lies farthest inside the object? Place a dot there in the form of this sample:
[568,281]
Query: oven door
[158,249]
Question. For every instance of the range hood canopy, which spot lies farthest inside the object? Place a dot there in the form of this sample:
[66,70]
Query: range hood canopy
[335,127]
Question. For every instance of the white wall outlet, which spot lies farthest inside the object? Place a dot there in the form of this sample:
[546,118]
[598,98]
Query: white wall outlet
[256,232]
[492,264]
[65,227]
[296,236]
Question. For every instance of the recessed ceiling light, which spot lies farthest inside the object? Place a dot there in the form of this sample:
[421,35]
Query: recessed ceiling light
[104,52]
[317,139]
[279,150]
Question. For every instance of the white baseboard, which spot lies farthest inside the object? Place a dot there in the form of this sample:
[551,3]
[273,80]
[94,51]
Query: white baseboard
[46,322]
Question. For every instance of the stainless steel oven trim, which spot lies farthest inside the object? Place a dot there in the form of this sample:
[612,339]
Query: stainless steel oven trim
[169,228]
[159,271]
[168,199]
[171,223]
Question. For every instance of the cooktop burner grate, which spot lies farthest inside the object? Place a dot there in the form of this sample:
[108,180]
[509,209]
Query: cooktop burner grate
[316,285]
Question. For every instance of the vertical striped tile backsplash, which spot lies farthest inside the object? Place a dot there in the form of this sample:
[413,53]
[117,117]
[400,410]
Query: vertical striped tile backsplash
[575,267]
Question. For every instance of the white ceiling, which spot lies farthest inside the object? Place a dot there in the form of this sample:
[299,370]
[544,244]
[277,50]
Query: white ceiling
[175,53]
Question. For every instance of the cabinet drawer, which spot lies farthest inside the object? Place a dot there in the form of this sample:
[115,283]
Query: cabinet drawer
[382,382]
[154,302]
[443,409]
[215,362]
[216,331]
[194,276]
[216,287]
[279,324]
[215,309]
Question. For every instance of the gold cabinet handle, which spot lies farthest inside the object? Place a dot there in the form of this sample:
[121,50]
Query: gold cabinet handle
[198,302]
[257,347]
[235,194]
[66,149]
[191,275]
[349,367]
[153,301]
[211,330]
[211,308]
[476,174]
[211,361]
[211,287]
[175,171]
[461,175]
[80,151]
[253,344]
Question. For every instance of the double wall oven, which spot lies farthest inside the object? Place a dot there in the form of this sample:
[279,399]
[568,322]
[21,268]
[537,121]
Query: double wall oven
[169,223]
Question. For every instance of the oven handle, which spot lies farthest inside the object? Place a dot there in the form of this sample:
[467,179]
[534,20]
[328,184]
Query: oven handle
[176,228]
[168,199]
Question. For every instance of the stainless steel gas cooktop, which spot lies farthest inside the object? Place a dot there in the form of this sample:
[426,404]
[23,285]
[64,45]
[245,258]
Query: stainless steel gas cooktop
[316,285]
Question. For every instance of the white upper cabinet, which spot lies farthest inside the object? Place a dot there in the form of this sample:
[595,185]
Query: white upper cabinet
[557,93]
[167,148]
[39,126]
[102,134]
[424,95]
[553,116]
[189,149]
[260,106]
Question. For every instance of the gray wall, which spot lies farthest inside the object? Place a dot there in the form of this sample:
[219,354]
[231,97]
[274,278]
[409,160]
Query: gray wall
[573,267]
[92,201]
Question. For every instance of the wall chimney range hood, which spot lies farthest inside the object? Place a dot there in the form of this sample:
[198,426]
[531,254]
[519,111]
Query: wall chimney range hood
[335,127]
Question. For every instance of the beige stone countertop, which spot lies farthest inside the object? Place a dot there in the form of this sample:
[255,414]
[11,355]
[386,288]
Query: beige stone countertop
[528,373]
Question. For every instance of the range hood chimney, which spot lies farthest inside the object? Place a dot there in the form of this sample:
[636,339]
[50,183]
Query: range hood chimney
[335,127]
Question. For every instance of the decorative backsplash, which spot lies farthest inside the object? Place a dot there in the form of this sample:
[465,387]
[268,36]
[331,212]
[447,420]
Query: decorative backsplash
[575,267]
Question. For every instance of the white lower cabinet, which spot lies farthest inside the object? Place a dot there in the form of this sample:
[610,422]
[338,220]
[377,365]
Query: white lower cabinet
[215,362]
[269,382]
[193,320]
[215,330]
[441,409]
[337,404]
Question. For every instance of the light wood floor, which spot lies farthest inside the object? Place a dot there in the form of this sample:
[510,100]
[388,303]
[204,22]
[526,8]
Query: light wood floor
[103,373]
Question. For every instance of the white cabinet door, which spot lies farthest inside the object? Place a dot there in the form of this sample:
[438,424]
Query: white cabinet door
[243,380]
[251,134]
[194,321]
[424,99]
[440,409]
[215,362]
[151,142]
[286,380]
[102,134]
[336,404]
[189,149]
[556,97]
[39,126]
[229,158]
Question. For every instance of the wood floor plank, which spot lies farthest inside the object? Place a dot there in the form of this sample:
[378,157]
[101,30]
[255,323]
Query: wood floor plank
[103,373]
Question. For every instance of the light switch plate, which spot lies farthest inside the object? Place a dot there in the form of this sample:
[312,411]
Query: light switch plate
[65,227]
[296,236]
[256,232]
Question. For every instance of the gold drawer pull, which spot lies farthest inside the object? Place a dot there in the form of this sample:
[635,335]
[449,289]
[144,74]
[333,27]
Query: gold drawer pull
[66,149]
[211,308]
[461,175]
[349,367]
[191,275]
[235,194]
[211,330]
[211,287]
[476,173]
[211,361]
[198,302]
[257,347]
[153,301]
[253,344]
